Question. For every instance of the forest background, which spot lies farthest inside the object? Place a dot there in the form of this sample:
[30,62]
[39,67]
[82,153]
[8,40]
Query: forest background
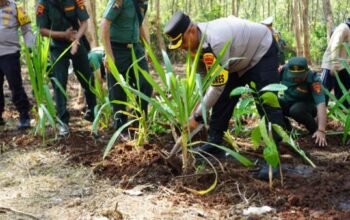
[305,25]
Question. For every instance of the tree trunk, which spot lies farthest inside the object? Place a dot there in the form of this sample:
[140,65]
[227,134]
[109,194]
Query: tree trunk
[327,10]
[91,32]
[306,30]
[161,43]
[233,8]
[297,28]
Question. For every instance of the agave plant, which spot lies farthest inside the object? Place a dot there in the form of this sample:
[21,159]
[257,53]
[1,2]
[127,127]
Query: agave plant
[262,134]
[178,96]
[38,68]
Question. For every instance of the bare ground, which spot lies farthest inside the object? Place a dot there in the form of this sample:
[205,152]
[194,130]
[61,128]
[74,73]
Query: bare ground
[67,179]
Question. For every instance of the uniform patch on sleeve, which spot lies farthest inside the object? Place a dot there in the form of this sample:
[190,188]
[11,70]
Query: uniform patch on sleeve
[40,10]
[69,8]
[208,59]
[317,87]
[117,4]
[80,4]
[22,17]
[221,79]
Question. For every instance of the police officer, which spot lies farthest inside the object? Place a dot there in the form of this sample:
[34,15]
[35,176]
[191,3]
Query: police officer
[250,40]
[58,19]
[304,98]
[121,31]
[12,17]
[278,38]
[331,64]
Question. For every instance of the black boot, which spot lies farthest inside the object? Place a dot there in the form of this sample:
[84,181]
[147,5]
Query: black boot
[89,115]
[2,121]
[263,172]
[214,137]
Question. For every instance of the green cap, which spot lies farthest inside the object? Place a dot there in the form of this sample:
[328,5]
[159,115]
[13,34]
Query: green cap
[297,67]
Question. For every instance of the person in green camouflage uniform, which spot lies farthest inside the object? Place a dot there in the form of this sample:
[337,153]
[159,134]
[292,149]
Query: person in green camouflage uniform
[121,31]
[304,99]
[54,18]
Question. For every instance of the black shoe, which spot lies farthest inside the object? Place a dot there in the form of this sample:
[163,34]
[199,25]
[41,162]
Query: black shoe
[24,123]
[263,172]
[2,121]
[89,115]
[211,149]
[214,137]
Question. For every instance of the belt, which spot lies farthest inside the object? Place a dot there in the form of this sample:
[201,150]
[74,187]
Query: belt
[121,45]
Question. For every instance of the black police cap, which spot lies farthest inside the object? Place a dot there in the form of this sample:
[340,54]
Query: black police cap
[348,21]
[176,27]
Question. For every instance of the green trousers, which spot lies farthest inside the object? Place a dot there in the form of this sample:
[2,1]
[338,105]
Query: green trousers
[60,71]
[302,112]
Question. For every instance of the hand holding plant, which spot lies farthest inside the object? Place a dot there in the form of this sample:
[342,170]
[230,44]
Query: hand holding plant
[193,123]
[70,34]
[75,46]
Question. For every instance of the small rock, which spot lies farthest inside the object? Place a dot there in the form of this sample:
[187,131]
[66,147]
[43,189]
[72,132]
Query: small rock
[316,214]
[257,210]
[74,203]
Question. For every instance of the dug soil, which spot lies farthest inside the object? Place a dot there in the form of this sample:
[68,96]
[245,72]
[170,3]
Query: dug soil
[66,178]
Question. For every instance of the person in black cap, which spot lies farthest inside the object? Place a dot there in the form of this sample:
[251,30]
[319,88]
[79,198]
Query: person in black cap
[331,62]
[250,40]
[304,99]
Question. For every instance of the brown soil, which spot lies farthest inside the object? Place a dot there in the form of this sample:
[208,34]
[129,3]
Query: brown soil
[307,193]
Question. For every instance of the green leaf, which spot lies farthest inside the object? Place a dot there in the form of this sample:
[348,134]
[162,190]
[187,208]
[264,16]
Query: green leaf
[346,128]
[271,157]
[241,90]
[270,151]
[286,139]
[212,186]
[256,137]
[274,87]
[253,85]
[270,99]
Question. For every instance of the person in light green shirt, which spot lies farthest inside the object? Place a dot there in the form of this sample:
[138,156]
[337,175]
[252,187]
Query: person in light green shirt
[121,31]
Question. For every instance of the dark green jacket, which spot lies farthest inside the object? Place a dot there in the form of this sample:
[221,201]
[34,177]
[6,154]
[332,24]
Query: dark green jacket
[48,16]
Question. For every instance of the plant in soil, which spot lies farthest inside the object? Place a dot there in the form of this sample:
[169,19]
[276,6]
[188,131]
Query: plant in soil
[39,74]
[262,135]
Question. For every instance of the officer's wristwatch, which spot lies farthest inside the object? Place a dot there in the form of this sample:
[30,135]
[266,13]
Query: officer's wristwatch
[198,118]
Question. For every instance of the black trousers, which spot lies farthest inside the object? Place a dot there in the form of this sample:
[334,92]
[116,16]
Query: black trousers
[263,73]
[330,82]
[123,61]
[60,72]
[11,69]
[302,112]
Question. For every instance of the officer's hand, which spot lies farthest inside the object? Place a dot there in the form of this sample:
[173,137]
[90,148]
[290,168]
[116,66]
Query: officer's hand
[280,68]
[75,47]
[70,34]
[193,123]
[320,138]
